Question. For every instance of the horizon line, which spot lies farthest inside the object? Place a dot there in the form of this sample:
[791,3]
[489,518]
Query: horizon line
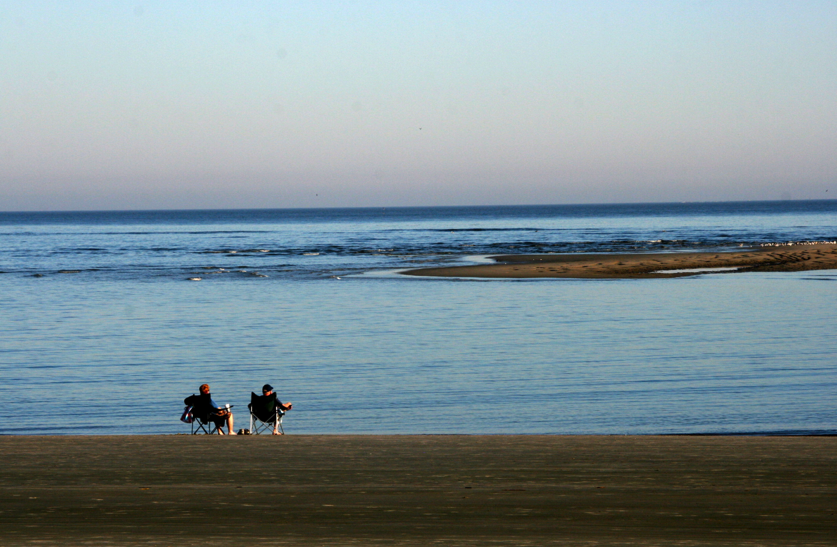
[374,207]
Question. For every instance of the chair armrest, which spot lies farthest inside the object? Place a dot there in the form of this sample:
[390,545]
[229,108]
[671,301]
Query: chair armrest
[217,410]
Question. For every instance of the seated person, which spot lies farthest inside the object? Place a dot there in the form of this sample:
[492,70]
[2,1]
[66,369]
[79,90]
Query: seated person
[205,409]
[266,406]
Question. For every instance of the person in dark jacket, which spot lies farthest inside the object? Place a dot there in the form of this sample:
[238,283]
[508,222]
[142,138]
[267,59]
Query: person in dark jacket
[267,391]
[206,409]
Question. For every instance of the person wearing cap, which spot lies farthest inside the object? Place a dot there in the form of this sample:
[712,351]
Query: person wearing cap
[204,407]
[267,391]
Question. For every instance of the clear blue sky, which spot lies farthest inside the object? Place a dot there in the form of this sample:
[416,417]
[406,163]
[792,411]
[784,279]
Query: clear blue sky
[162,104]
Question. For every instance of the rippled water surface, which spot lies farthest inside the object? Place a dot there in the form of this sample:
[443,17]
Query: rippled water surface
[293,298]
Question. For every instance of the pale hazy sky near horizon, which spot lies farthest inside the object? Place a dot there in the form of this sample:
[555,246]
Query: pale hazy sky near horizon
[181,105]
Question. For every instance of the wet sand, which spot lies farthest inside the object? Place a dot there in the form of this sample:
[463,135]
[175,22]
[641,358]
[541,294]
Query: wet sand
[792,258]
[418,490]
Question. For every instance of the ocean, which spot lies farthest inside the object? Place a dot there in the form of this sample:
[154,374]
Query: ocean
[110,319]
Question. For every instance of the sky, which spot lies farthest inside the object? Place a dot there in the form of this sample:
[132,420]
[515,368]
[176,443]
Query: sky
[268,104]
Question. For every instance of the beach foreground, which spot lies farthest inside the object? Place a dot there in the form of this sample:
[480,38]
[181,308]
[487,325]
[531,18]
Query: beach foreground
[788,258]
[418,490]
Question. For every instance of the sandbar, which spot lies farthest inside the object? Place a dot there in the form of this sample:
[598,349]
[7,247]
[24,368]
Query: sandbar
[418,490]
[785,258]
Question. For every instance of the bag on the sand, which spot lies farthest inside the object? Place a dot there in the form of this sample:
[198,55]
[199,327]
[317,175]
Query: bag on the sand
[187,417]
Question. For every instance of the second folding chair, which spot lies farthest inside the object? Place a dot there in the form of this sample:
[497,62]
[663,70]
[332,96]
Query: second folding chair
[264,414]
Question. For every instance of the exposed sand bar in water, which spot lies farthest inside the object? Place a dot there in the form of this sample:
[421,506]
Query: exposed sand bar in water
[416,490]
[791,258]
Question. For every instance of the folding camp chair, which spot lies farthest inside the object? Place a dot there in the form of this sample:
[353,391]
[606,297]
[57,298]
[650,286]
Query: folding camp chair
[264,414]
[205,423]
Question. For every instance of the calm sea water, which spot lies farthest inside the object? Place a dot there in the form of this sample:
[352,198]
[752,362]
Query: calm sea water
[102,332]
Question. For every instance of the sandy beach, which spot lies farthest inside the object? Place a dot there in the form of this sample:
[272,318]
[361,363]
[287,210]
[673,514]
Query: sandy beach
[786,258]
[418,490]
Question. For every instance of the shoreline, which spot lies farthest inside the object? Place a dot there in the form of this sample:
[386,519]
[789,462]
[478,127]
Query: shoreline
[785,258]
[417,490]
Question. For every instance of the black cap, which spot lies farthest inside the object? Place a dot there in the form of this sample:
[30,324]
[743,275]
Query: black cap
[267,387]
